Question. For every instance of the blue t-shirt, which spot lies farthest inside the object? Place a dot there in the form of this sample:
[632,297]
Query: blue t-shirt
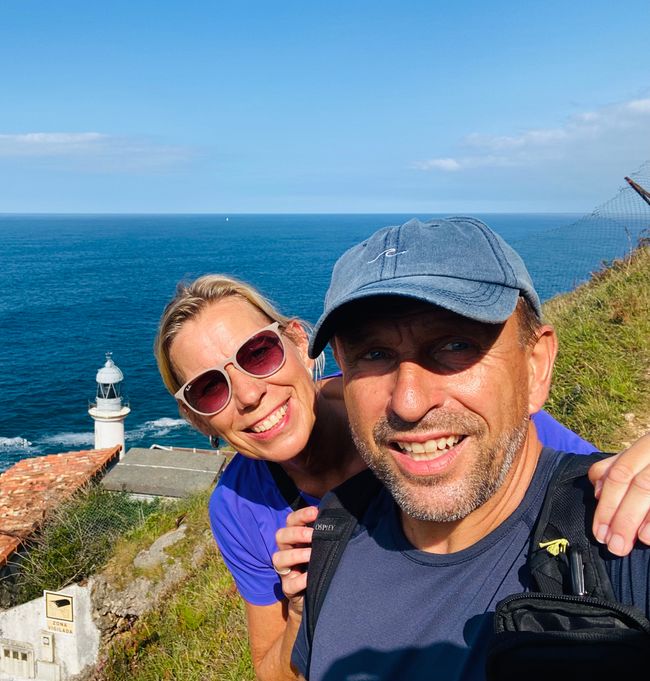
[246,510]
[393,612]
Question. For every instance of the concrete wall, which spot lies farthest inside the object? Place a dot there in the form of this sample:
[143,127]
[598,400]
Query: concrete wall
[39,647]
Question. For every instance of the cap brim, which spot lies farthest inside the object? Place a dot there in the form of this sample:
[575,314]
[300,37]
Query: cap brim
[483,302]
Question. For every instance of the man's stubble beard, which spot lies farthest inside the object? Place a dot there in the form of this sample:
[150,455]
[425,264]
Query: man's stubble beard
[434,498]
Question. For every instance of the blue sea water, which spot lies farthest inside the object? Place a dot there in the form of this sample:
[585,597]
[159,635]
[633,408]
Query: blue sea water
[76,286]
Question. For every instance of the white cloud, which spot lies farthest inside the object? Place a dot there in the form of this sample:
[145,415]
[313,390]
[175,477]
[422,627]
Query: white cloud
[49,143]
[618,129]
[94,151]
[639,105]
[532,138]
[449,164]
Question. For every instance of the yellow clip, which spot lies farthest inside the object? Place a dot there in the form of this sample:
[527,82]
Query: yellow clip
[555,546]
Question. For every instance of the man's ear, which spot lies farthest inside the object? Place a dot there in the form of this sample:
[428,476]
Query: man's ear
[541,360]
[336,351]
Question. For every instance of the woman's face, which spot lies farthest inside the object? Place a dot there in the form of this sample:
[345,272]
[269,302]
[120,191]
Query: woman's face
[266,418]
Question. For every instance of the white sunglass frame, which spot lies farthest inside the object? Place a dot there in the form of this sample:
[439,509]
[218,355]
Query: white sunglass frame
[180,393]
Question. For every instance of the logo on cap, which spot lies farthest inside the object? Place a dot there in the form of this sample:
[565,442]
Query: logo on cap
[389,253]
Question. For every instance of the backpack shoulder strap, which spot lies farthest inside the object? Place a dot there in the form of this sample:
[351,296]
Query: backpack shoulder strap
[564,557]
[287,486]
[339,512]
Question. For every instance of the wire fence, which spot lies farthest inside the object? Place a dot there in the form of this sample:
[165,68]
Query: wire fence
[75,540]
[559,259]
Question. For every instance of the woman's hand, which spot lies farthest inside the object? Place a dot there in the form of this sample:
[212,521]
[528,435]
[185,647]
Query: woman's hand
[292,556]
[622,487]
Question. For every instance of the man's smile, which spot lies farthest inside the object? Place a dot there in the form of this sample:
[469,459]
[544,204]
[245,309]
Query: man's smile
[428,449]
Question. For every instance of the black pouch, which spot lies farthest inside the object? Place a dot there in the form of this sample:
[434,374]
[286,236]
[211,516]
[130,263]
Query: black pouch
[538,636]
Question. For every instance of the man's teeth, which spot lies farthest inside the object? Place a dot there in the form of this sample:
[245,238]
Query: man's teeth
[421,451]
[270,420]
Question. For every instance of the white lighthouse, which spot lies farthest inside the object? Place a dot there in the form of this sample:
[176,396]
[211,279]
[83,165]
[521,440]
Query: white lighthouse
[109,411]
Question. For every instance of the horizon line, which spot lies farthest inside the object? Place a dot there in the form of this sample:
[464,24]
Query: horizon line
[230,214]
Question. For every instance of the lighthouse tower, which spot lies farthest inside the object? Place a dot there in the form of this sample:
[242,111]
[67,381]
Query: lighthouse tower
[109,411]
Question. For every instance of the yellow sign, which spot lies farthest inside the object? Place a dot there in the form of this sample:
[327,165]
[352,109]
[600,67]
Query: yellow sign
[59,612]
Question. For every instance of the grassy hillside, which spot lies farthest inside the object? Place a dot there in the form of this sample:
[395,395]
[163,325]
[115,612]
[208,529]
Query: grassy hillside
[198,634]
[199,630]
[602,371]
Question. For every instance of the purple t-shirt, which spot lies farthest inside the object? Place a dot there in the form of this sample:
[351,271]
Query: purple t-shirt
[246,510]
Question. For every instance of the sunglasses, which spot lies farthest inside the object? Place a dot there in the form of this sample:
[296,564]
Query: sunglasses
[259,356]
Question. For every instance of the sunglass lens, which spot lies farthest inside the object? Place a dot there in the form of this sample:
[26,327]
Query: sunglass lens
[262,354]
[208,393]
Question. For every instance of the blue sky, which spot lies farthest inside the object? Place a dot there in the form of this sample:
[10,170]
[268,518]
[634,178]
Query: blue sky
[314,106]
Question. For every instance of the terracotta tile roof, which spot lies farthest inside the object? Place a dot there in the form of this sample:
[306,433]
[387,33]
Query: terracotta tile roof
[32,487]
[7,546]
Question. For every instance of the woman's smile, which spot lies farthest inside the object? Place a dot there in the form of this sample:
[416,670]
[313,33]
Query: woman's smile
[273,422]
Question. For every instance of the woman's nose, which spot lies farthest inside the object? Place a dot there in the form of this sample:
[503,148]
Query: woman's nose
[247,391]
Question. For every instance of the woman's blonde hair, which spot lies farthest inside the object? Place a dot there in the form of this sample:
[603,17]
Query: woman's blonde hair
[191,298]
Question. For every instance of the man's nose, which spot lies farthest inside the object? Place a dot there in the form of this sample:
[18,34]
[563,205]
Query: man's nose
[247,391]
[415,392]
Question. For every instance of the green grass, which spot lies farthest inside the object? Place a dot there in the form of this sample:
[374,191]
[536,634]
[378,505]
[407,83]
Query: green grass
[602,369]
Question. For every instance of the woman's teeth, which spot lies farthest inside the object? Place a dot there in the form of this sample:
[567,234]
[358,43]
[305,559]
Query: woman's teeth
[431,449]
[270,420]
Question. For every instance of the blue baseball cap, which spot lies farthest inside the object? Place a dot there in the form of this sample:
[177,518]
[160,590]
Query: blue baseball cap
[457,263]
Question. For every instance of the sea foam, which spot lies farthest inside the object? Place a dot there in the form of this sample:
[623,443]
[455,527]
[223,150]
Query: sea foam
[156,428]
[69,439]
[14,443]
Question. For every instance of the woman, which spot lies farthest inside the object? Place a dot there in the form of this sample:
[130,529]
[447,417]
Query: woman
[240,371]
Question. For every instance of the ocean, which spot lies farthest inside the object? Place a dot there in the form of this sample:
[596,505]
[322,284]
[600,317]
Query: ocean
[77,286]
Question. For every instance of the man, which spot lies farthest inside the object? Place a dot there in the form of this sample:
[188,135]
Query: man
[437,329]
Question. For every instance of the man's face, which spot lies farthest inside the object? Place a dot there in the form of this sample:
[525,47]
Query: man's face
[438,405]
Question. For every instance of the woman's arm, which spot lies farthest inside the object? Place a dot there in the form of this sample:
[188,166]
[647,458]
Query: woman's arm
[272,630]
